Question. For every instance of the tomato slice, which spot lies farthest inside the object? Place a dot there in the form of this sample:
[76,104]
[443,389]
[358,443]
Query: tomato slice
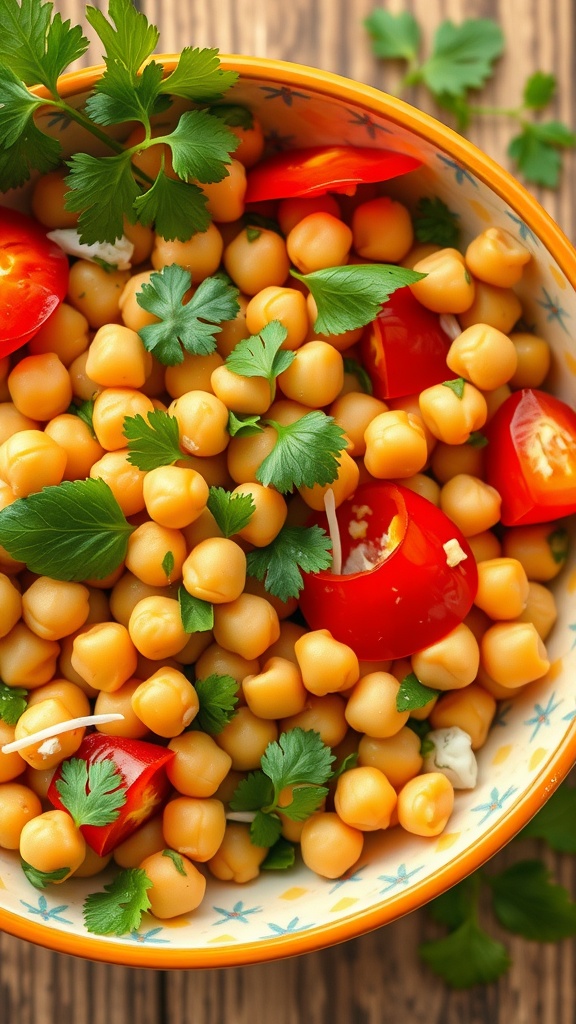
[411,596]
[404,349]
[143,769]
[531,457]
[33,278]
[320,169]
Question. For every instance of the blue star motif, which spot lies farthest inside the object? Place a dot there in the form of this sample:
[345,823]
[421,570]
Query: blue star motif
[495,804]
[542,715]
[284,93]
[149,937]
[554,309]
[402,877]
[238,913]
[460,174]
[569,716]
[523,230]
[52,914]
[354,877]
[365,121]
[291,928]
[502,715]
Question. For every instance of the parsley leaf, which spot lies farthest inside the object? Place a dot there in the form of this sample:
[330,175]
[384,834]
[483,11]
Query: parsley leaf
[462,55]
[262,355]
[295,548]
[393,35]
[154,441]
[92,793]
[118,910]
[91,183]
[305,800]
[413,694]
[306,453]
[71,531]
[121,96]
[280,856]
[201,146]
[40,879]
[555,821]
[191,325]
[351,296]
[435,222]
[12,702]
[234,115]
[253,792]
[218,697]
[467,956]
[198,76]
[37,49]
[232,512]
[527,903]
[266,829]
[539,90]
[197,615]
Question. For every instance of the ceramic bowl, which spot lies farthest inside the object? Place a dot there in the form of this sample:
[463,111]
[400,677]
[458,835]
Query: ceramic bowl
[532,744]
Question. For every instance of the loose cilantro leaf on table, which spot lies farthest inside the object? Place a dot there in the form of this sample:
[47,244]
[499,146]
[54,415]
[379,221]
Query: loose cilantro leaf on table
[555,821]
[295,548]
[435,222]
[261,354]
[40,879]
[191,325]
[306,453]
[12,703]
[413,694]
[232,512]
[74,530]
[118,909]
[197,615]
[528,903]
[537,151]
[394,36]
[351,296]
[467,956]
[92,793]
[539,90]
[462,56]
[154,441]
[218,697]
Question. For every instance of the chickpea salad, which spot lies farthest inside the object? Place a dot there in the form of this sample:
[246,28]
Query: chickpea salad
[281,489]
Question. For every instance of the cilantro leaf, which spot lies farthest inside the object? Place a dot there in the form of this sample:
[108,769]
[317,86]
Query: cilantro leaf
[306,453]
[232,512]
[234,115]
[198,76]
[539,162]
[218,697]
[197,615]
[168,564]
[201,146]
[297,757]
[555,821]
[280,856]
[363,377]
[92,183]
[177,209]
[92,793]
[154,441]
[176,860]
[305,800]
[12,702]
[121,96]
[37,49]
[527,903]
[40,879]
[477,439]
[266,829]
[454,906]
[435,222]
[243,424]
[559,543]
[393,35]
[457,386]
[22,146]
[71,531]
[85,412]
[413,694]
[253,792]
[262,355]
[462,55]
[118,910]
[130,40]
[467,956]
[539,90]
[295,548]
[193,324]
[351,296]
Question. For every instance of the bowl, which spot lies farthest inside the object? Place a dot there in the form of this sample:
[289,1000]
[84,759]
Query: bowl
[532,743]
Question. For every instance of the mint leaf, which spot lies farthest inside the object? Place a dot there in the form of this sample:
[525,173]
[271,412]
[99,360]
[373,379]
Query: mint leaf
[435,222]
[555,821]
[118,910]
[295,548]
[75,530]
[539,90]
[306,453]
[351,296]
[466,957]
[40,879]
[413,694]
[197,615]
[218,697]
[394,36]
[93,182]
[232,512]
[154,441]
[527,903]
[462,56]
[12,703]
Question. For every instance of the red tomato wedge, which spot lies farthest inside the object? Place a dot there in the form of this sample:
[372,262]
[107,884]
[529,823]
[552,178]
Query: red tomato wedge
[33,278]
[143,769]
[404,349]
[410,596]
[531,457]
[320,169]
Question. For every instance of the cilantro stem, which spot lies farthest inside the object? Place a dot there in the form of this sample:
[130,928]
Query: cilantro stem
[488,111]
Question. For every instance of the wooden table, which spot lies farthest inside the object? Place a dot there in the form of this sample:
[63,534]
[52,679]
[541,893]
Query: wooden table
[376,979]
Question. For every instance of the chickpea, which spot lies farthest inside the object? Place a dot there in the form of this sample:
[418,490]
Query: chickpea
[382,230]
[292,211]
[497,258]
[342,487]
[83,388]
[74,436]
[257,261]
[177,887]
[354,412]
[451,662]
[238,858]
[395,445]
[425,804]
[318,241]
[96,292]
[484,356]
[51,842]
[128,591]
[142,238]
[65,333]
[174,496]
[111,408]
[31,460]
[92,864]
[371,706]
[540,609]
[423,485]
[156,629]
[215,660]
[496,307]
[246,625]
[447,287]
[449,417]
[287,305]
[148,839]
[195,645]
[215,570]
[201,254]
[120,702]
[202,422]
[326,664]
[246,454]
[448,460]
[502,588]
[166,702]
[471,709]
[226,197]
[542,549]
[11,421]
[11,604]
[277,691]
[11,765]
[513,653]
[242,394]
[268,517]
[26,659]
[194,826]
[474,506]
[398,757]
[364,798]
[117,358]
[69,694]
[316,375]
[328,845]
[148,548]
[199,765]
[533,360]
[124,480]
[18,805]
[194,373]
[494,399]
[104,656]
[53,609]
[45,715]
[245,739]
[134,316]
[49,201]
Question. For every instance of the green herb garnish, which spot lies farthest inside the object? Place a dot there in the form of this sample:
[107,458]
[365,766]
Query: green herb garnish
[435,222]
[306,453]
[351,296]
[92,793]
[218,698]
[153,441]
[413,694]
[118,909]
[261,355]
[197,615]
[232,512]
[12,703]
[295,548]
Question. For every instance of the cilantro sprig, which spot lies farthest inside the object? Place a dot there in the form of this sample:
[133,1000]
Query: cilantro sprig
[92,793]
[218,699]
[232,512]
[118,909]
[12,703]
[351,296]
[306,453]
[154,441]
[261,355]
[295,549]
[463,58]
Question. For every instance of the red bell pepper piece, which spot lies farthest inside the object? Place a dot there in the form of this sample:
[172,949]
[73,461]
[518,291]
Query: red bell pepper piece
[143,769]
[33,278]
[404,349]
[410,598]
[531,457]
[319,169]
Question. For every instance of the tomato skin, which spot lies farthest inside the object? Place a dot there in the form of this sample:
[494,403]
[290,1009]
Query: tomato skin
[411,599]
[33,278]
[319,169]
[404,349]
[143,769]
[531,457]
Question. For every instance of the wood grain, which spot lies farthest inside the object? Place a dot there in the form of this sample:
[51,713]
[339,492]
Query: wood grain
[376,979]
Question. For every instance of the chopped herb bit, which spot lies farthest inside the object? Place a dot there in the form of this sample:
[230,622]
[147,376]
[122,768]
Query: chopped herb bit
[435,222]
[477,439]
[356,368]
[457,386]
[92,793]
[252,233]
[243,424]
[295,548]
[118,909]
[168,564]
[176,860]
[154,441]
[84,411]
[232,512]
[280,856]
[413,694]
[558,542]
[218,698]
[197,616]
